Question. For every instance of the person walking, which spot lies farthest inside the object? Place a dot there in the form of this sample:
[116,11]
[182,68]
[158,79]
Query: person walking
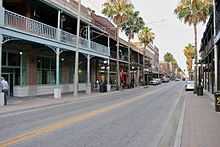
[5,87]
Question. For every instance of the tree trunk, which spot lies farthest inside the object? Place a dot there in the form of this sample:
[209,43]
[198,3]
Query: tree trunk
[118,68]
[196,57]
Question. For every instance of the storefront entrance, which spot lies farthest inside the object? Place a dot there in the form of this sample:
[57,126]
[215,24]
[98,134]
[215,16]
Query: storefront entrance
[9,77]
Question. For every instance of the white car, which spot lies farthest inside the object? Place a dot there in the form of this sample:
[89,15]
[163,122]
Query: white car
[155,82]
[189,85]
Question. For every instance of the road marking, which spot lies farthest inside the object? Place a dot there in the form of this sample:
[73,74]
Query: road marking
[57,105]
[69,121]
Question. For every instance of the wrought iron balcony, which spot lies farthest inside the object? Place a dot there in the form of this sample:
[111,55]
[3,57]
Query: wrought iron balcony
[21,23]
[26,24]
[100,48]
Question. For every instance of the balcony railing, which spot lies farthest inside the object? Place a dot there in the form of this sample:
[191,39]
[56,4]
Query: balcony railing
[210,44]
[22,23]
[83,43]
[123,57]
[67,37]
[100,48]
[29,25]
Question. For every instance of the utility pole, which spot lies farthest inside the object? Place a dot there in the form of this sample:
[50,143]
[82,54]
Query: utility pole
[215,47]
[76,74]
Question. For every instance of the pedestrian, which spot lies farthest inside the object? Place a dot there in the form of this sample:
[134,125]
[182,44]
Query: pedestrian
[4,86]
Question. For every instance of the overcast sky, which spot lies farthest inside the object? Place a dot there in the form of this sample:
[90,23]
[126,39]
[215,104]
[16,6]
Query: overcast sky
[171,34]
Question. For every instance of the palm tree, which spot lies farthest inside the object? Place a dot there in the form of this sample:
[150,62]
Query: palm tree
[118,11]
[132,26]
[146,36]
[193,12]
[189,52]
[168,57]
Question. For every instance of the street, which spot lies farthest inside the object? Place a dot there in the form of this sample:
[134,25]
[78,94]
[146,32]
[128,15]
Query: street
[129,118]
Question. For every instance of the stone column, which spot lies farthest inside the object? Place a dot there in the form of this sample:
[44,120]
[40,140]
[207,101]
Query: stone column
[108,77]
[2,102]
[57,89]
[2,11]
[1,43]
[138,70]
[108,68]
[88,89]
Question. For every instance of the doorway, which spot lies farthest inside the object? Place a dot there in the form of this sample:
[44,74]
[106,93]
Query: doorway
[9,77]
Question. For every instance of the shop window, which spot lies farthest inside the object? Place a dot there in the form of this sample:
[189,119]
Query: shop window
[46,70]
[13,59]
[4,58]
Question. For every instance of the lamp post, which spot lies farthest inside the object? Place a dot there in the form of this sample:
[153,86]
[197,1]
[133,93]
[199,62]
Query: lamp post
[21,68]
[133,76]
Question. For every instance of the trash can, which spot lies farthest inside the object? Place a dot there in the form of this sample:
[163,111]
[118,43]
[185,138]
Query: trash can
[200,90]
[217,101]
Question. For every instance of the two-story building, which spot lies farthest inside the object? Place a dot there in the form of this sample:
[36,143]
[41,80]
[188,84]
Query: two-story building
[41,52]
[134,67]
[38,47]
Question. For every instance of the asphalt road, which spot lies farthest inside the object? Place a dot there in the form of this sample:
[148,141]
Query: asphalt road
[130,118]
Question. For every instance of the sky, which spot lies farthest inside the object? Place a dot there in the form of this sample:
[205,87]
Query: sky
[172,35]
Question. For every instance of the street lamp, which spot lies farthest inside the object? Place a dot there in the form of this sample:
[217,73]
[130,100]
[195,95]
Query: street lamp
[21,68]
[133,76]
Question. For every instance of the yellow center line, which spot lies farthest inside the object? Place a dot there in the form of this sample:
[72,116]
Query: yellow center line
[66,122]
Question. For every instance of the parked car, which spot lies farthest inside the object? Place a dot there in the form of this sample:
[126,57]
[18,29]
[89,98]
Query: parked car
[159,81]
[177,79]
[165,80]
[189,85]
[155,82]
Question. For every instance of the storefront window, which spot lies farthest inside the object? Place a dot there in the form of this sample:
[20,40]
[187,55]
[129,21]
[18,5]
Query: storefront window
[13,59]
[4,58]
[46,70]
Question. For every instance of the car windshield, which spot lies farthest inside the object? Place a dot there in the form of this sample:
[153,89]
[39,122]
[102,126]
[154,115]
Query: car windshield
[190,82]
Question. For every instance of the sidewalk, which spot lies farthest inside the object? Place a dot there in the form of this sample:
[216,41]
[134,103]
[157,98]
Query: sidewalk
[201,127]
[26,103]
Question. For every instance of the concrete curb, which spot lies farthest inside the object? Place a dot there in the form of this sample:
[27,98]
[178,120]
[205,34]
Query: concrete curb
[62,102]
[179,133]
[169,132]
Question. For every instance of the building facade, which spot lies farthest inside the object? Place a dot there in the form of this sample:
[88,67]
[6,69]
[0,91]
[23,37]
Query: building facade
[38,48]
[207,53]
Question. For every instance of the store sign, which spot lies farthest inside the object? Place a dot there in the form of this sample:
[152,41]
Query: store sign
[218,101]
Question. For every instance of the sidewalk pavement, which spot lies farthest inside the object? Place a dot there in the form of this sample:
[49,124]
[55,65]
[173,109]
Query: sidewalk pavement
[26,103]
[201,127]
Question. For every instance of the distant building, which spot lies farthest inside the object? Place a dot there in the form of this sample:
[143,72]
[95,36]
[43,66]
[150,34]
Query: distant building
[165,68]
[169,69]
[150,60]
